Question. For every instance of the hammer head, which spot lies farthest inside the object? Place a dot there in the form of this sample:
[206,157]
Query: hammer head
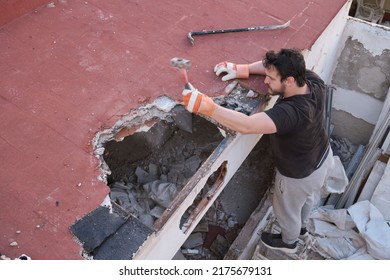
[180,63]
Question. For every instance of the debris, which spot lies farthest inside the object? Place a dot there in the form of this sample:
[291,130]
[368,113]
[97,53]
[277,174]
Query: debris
[157,211]
[232,221]
[99,151]
[4,257]
[96,227]
[231,86]
[124,243]
[160,192]
[238,100]
[122,198]
[212,234]
[143,177]
[343,148]
[147,220]
[179,256]
[13,244]
[164,103]
[202,226]
[193,241]
[147,184]
[251,94]
[153,170]
[190,251]
[23,257]
[220,246]
[355,161]
[231,234]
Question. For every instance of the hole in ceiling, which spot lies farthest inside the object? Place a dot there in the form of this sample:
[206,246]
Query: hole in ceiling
[150,155]
[149,168]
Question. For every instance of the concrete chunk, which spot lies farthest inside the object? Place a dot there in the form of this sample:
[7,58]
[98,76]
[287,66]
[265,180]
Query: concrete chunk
[193,241]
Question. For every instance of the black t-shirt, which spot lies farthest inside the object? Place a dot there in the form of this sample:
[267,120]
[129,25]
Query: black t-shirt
[300,141]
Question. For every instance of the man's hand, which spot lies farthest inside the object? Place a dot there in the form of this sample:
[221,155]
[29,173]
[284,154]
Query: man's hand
[197,102]
[233,70]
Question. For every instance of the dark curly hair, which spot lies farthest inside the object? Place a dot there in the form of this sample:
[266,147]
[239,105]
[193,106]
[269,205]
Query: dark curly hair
[288,62]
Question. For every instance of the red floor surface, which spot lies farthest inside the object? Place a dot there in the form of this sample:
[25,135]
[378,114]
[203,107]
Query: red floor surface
[71,69]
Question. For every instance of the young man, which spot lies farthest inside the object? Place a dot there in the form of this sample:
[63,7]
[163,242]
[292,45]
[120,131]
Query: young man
[299,141]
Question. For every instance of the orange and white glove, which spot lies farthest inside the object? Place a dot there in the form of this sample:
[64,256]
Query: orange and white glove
[233,70]
[197,102]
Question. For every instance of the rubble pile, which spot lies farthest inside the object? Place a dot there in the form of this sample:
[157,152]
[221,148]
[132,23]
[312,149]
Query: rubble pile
[343,148]
[153,188]
[213,236]
[149,189]
[150,184]
[144,188]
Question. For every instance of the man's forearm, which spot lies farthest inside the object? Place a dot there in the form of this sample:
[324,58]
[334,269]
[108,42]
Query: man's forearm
[257,68]
[258,123]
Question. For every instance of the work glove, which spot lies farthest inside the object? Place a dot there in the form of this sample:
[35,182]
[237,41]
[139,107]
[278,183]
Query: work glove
[197,102]
[233,70]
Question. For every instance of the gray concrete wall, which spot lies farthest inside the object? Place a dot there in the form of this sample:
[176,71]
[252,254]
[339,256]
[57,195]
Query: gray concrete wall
[362,79]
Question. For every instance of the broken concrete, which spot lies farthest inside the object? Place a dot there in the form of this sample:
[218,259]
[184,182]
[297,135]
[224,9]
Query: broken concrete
[193,241]
[360,70]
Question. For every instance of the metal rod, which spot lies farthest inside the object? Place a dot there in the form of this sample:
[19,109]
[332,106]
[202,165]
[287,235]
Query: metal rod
[205,32]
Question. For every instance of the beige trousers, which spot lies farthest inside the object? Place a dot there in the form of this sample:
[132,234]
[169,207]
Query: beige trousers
[294,198]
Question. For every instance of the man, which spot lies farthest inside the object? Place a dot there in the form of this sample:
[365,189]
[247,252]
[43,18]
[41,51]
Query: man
[299,142]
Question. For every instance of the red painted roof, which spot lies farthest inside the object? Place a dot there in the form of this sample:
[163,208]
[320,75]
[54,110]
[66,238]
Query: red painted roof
[71,70]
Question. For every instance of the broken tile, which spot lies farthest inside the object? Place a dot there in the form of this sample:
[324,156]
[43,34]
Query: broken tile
[94,228]
[124,242]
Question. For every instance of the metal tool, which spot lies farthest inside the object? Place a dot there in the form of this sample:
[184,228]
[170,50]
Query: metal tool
[181,116]
[183,65]
[266,27]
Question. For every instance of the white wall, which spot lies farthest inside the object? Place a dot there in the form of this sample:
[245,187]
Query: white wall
[375,39]
[357,104]
[323,54]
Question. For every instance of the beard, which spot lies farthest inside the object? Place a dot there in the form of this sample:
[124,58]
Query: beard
[279,91]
